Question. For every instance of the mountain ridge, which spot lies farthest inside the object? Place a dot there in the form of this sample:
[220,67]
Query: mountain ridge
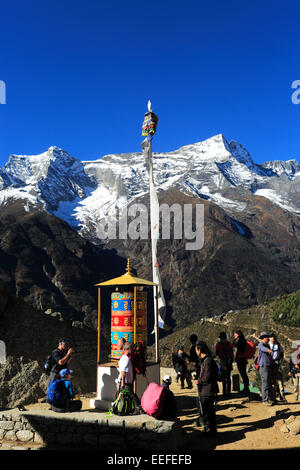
[84,192]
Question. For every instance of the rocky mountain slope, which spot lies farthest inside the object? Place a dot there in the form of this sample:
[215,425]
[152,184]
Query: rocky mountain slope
[45,262]
[30,336]
[252,228]
[243,261]
[83,193]
[251,321]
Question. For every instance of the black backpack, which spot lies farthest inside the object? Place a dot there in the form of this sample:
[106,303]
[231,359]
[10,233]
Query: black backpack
[48,364]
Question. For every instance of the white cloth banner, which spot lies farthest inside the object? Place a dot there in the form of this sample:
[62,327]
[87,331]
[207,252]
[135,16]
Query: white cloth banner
[154,220]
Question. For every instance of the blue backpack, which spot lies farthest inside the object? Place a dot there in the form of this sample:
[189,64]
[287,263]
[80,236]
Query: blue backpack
[57,394]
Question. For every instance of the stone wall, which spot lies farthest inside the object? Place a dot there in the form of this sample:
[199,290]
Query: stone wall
[88,429]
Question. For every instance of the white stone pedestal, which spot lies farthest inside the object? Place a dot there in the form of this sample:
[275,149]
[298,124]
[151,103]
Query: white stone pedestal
[107,375]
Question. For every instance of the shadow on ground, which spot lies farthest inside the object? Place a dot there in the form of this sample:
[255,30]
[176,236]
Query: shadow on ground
[229,430]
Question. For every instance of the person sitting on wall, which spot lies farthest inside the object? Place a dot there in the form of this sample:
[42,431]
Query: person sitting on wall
[169,410]
[61,393]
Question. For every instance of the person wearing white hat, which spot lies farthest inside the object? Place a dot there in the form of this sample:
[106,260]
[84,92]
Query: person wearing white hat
[167,379]
[169,410]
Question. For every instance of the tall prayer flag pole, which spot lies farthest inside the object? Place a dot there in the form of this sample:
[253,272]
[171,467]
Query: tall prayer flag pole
[148,131]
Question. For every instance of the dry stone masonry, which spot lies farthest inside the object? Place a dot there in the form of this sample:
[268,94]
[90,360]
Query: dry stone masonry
[87,429]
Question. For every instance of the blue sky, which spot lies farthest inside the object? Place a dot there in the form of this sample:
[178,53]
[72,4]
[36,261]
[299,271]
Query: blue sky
[79,75]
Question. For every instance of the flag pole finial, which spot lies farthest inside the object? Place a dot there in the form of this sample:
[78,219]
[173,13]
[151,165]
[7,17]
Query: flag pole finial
[128,268]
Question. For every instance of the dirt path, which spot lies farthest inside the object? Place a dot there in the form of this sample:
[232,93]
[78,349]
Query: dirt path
[242,424]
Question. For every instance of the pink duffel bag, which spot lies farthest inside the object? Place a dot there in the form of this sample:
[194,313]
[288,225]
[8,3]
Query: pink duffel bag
[153,399]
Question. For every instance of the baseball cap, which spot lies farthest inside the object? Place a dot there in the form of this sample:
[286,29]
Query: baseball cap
[64,372]
[264,334]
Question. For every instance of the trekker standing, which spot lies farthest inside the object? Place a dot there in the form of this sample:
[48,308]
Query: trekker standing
[193,355]
[224,350]
[265,370]
[240,343]
[180,365]
[294,371]
[120,344]
[125,368]
[277,357]
[61,393]
[206,381]
[61,357]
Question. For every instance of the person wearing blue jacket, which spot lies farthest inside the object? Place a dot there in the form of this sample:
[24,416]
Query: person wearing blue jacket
[66,399]
[265,363]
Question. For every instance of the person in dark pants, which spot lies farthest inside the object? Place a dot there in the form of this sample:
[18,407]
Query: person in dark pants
[206,381]
[294,369]
[240,344]
[180,359]
[61,357]
[224,350]
[265,363]
[193,355]
[277,357]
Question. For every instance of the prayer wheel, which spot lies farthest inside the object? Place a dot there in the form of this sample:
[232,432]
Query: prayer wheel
[122,319]
[149,124]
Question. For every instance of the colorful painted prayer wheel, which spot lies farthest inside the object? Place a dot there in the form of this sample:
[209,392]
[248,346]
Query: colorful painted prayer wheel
[122,319]
[149,124]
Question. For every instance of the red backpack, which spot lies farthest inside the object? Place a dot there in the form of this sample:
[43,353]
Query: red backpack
[153,399]
[249,350]
[138,357]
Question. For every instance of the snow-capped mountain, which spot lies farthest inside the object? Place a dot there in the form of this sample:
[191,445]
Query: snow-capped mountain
[83,192]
